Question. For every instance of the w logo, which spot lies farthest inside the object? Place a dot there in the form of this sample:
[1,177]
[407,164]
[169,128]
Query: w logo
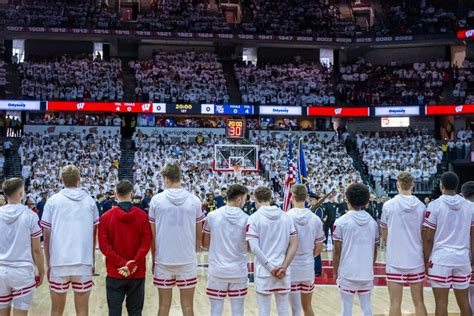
[146,107]
[338,111]
[80,106]
[458,109]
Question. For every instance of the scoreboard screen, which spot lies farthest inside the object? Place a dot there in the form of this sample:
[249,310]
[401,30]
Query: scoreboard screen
[235,128]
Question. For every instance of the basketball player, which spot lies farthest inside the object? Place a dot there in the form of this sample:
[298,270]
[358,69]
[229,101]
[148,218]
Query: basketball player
[124,239]
[273,240]
[447,241]
[20,251]
[356,236]
[467,190]
[176,223]
[310,244]
[402,224]
[224,235]
[69,221]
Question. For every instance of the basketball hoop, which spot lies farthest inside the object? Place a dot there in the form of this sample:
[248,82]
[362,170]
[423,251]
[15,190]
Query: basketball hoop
[237,171]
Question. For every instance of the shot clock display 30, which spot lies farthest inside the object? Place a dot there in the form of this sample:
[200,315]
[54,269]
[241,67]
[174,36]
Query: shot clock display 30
[235,128]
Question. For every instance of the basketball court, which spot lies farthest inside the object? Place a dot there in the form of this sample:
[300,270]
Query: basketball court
[325,298]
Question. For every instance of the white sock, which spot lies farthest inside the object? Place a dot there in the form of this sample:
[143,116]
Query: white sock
[295,301]
[237,306]
[264,304]
[217,307]
[365,303]
[347,299]
[282,302]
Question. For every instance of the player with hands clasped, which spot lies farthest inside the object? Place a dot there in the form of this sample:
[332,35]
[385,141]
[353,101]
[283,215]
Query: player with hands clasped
[125,240]
[20,251]
[356,236]
[273,240]
[310,244]
[224,235]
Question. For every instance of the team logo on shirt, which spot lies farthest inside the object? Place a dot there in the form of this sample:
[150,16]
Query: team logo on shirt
[427,214]
[334,228]
[247,227]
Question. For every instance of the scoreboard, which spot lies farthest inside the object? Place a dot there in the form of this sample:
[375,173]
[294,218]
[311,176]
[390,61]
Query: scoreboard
[235,128]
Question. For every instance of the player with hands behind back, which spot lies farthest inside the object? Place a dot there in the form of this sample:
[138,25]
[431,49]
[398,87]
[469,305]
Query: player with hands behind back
[273,240]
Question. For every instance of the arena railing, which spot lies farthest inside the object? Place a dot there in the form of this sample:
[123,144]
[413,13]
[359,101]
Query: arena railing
[236,109]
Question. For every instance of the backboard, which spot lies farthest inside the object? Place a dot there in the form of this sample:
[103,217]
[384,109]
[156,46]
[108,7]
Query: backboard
[229,156]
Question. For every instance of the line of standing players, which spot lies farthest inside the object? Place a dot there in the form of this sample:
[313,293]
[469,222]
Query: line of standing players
[437,240]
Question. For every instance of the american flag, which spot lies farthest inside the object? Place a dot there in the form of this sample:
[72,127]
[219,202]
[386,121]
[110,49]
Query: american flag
[290,178]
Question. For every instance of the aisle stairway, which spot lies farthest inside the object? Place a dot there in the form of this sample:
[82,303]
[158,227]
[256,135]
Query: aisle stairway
[127,159]
[231,82]
[12,167]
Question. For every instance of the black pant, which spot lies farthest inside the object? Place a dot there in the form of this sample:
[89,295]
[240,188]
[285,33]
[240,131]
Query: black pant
[118,289]
[328,226]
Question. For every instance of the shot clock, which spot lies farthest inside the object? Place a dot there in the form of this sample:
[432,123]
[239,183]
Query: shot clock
[235,128]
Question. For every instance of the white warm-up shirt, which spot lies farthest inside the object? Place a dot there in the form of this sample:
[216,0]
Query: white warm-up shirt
[175,213]
[272,228]
[310,232]
[71,216]
[18,225]
[403,218]
[452,218]
[359,234]
[228,248]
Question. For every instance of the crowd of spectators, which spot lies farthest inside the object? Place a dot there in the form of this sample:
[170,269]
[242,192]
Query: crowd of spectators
[46,13]
[463,91]
[330,168]
[292,83]
[67,78]
[385,156]
[284,17]
[43,156]
[364,83]
[182,16]
[74,119]
[3,78]
[416,17]
[180,77]
[297,17]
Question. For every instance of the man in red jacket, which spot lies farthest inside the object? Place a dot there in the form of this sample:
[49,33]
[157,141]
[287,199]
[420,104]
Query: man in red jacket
[125,239]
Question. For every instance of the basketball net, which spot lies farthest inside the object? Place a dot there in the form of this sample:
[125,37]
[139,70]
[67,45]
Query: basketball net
[237,171]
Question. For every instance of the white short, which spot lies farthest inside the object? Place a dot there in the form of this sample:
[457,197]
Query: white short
[446,277]
[405,276]
[302,273]
[353,286]
[268,285]
[182,276]
[220,288]
[80,283]
[17,287]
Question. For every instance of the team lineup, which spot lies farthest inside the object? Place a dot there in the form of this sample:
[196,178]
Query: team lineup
[432,242]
